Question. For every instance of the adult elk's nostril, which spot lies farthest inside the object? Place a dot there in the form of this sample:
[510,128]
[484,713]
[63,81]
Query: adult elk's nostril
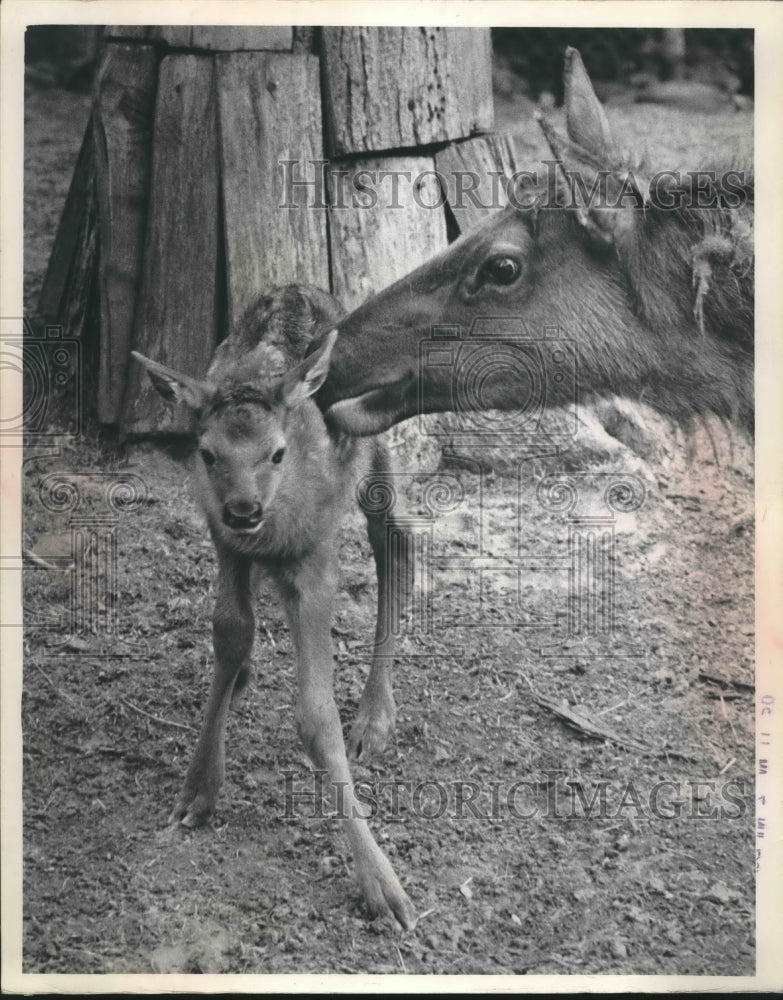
[242,514]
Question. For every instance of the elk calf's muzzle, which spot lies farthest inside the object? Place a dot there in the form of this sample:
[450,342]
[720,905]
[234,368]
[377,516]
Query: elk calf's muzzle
[242,515]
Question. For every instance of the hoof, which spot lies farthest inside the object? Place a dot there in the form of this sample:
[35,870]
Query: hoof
[370,735]
[384,897]
[193,809]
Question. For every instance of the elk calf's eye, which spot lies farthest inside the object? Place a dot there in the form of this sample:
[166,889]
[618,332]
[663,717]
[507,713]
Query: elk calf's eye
[207,456]
[501,270]
[277,458]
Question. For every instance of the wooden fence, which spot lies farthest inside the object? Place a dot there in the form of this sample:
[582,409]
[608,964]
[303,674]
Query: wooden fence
[221,161]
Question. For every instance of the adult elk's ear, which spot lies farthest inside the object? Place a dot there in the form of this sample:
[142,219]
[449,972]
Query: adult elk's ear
[174,386]
[309,375]
[591,180]
[586,120]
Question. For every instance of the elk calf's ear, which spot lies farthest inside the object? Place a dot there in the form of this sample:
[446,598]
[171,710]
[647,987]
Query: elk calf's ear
[309,375]
[174,386]
[586,120]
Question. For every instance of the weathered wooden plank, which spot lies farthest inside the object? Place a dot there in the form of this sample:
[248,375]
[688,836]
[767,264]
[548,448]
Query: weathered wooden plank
[136,32]
[73,398]
[82,283]
[80,309]
[122,116]
[306,39]
[69,232]
[206,37]
[378,232]
[178,313]
[270,112]
[392,88]
[239,38]
[474,175]
[380,225]
[178,36]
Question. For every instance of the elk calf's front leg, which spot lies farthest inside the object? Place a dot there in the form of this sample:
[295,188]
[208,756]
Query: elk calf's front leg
[308,603]
[233,627]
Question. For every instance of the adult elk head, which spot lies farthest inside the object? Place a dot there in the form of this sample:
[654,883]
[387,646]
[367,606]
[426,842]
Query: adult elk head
[652,287]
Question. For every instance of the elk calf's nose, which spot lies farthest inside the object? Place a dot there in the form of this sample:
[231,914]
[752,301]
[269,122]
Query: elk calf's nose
[242,514]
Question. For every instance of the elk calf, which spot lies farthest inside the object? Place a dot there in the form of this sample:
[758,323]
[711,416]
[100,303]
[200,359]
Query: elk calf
[273,483]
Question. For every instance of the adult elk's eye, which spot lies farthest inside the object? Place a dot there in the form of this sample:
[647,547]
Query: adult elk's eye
[501,270]
[277,458]
[207,455]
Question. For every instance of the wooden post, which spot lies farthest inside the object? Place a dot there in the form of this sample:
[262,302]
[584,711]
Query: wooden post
[215,181]
[178,315]
[475,174]
[270,115]
[396,88]
[377,237]
[395,101]
[210,38]
[122,117]
[69,296]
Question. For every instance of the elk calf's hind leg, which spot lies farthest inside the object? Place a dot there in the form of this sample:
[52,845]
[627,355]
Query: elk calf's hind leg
[310,615]
[374,724]
[233,627]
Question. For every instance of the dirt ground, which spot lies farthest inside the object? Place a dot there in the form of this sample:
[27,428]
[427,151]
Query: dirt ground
[497,704]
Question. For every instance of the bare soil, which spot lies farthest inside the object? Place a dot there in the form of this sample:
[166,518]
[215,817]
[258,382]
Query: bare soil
[658,879]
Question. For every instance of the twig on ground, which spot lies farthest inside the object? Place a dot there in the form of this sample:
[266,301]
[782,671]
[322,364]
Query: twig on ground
[156,718]
[588,727]
[725,682]
[594,731]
